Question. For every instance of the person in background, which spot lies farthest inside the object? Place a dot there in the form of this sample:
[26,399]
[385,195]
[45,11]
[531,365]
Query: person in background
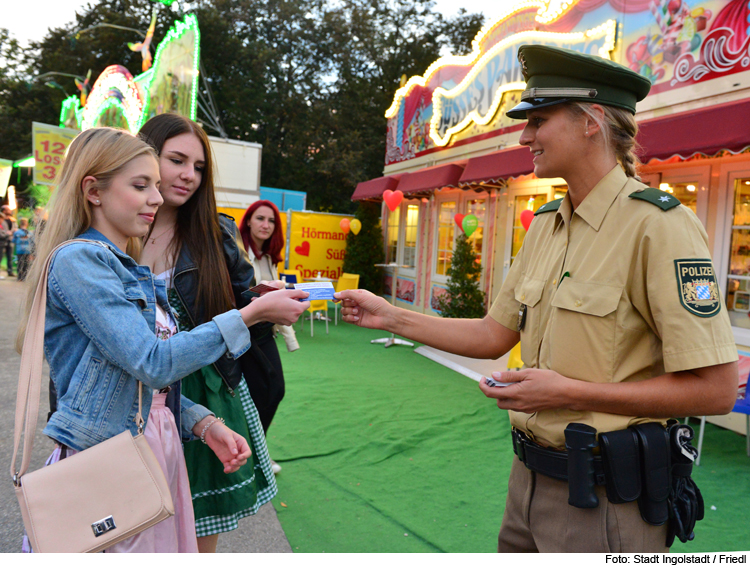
[22,246]
[7,228]
[109,327]
[260,228]
[199,255]
[615,334]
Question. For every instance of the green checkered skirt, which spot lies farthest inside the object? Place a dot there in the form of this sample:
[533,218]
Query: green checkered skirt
[220,500]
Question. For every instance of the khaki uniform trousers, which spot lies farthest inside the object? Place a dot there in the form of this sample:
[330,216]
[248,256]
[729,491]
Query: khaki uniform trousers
[538,518]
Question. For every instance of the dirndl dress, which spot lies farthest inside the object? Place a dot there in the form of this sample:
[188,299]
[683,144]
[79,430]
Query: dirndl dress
[220,500]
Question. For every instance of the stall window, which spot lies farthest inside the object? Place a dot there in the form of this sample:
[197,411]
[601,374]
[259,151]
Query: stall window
[738,277]
[686,192]
[445,237]
[391,252]
[410,236]
[522,203]
[478,208]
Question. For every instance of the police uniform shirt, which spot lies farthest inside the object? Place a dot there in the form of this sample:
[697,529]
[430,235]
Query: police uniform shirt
[617,290]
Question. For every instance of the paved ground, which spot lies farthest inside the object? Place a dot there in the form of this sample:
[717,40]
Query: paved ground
[261,533]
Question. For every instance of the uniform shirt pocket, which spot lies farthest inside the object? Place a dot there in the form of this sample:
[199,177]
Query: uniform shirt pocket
[529,294]
[583,330]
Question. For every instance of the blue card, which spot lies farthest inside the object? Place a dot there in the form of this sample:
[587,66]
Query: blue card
[319,291]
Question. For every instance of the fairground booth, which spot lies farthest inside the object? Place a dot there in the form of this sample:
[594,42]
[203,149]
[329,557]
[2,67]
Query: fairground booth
[453,152]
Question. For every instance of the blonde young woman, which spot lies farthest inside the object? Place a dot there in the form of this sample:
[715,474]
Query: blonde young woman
[109,325]
[597,298]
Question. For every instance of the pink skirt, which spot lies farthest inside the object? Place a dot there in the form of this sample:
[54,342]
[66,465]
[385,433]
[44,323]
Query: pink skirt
[177,533]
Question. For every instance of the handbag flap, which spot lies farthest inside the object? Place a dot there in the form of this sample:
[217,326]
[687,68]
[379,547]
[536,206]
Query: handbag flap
[118,481]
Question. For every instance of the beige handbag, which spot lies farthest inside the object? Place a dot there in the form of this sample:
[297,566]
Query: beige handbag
[95,498]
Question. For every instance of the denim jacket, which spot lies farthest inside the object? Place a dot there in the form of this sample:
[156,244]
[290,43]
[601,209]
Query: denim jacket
[99,339]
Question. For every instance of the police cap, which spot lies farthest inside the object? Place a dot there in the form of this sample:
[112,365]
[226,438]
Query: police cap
[557,75]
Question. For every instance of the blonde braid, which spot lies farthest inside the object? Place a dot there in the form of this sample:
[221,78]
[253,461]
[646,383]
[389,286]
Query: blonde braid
[618,130]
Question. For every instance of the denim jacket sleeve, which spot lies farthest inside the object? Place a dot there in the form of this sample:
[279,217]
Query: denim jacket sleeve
[190,414]
[83,280]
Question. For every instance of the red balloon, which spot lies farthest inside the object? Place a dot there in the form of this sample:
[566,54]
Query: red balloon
[344,225]
[526,217]
[459,219]
[393,199]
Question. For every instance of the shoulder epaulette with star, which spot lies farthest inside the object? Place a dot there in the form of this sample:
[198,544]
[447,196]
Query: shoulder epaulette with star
[549,207]
[659,198]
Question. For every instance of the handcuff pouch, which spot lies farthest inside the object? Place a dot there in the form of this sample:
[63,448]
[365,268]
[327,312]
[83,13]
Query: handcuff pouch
[655,472]
[622,466]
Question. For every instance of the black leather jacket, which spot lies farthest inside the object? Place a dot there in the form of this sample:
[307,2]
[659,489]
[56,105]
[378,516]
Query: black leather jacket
[241,274]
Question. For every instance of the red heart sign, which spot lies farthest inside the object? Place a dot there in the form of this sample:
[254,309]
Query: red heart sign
[303,249]
[393,199]
[526,217]
[459,219]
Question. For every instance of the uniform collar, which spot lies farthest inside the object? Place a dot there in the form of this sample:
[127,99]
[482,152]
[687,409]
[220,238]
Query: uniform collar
[595,206]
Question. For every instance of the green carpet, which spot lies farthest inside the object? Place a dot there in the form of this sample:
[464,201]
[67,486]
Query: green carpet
[386,451]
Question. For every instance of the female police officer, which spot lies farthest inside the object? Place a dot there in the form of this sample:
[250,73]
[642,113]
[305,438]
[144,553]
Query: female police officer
[613,296]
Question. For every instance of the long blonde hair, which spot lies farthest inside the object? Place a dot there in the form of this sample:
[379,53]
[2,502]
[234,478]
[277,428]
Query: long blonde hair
[101,153]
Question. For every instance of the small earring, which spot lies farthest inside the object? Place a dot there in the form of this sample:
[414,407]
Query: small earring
[586,134]
[97,202]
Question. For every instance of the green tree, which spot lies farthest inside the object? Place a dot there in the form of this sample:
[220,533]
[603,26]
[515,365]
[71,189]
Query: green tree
[310,80]
[365,250]
[464,299]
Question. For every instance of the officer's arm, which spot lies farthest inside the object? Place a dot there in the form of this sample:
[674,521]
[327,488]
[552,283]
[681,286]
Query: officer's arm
[478,338]
[705,391]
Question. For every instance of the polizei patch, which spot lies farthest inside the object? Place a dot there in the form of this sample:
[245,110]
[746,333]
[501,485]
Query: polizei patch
[696,284]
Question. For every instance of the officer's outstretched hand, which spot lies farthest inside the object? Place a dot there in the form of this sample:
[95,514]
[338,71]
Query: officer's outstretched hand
[362,308]
[531,390]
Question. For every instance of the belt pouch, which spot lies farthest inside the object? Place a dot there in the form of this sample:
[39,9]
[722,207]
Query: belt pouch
[655,472]
[580,441]
[622,465]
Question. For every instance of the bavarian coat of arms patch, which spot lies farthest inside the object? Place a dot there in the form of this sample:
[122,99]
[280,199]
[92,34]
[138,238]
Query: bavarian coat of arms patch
[697,287]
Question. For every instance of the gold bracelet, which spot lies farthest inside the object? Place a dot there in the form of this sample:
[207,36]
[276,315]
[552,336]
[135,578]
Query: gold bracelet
[208,425]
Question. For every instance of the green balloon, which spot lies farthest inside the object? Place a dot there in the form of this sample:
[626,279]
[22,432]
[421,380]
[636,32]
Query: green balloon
[469,224]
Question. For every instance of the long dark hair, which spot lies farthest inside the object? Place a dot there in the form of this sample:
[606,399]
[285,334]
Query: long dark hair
[197,219]
[275,244]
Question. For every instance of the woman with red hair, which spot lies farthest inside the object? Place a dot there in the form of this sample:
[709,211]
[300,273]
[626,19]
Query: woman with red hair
[260,229]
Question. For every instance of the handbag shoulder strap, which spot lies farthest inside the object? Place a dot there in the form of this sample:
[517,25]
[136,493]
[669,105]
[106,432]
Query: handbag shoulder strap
[30,375]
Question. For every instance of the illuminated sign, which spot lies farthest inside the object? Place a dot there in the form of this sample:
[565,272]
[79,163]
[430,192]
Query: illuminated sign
[170,85]
[477,98]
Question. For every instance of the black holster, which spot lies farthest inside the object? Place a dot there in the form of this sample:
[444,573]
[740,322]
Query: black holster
[653,465]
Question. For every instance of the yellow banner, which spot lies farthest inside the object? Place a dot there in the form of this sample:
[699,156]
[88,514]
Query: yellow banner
[50,144]
[317,244]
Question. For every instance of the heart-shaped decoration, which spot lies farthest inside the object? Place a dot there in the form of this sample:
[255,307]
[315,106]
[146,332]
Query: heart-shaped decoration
[393,199]
[526,217]
[303,249]
[458,219]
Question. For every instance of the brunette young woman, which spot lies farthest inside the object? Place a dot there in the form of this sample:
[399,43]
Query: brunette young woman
[200,256]
[610,337]
[108,326]
[260,228]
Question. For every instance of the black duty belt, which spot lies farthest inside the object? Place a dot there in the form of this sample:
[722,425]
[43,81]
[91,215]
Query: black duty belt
[552,463]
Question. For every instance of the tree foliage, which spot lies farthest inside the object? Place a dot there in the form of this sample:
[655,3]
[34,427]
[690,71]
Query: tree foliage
[310,80]
[464,299]
[365,250]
